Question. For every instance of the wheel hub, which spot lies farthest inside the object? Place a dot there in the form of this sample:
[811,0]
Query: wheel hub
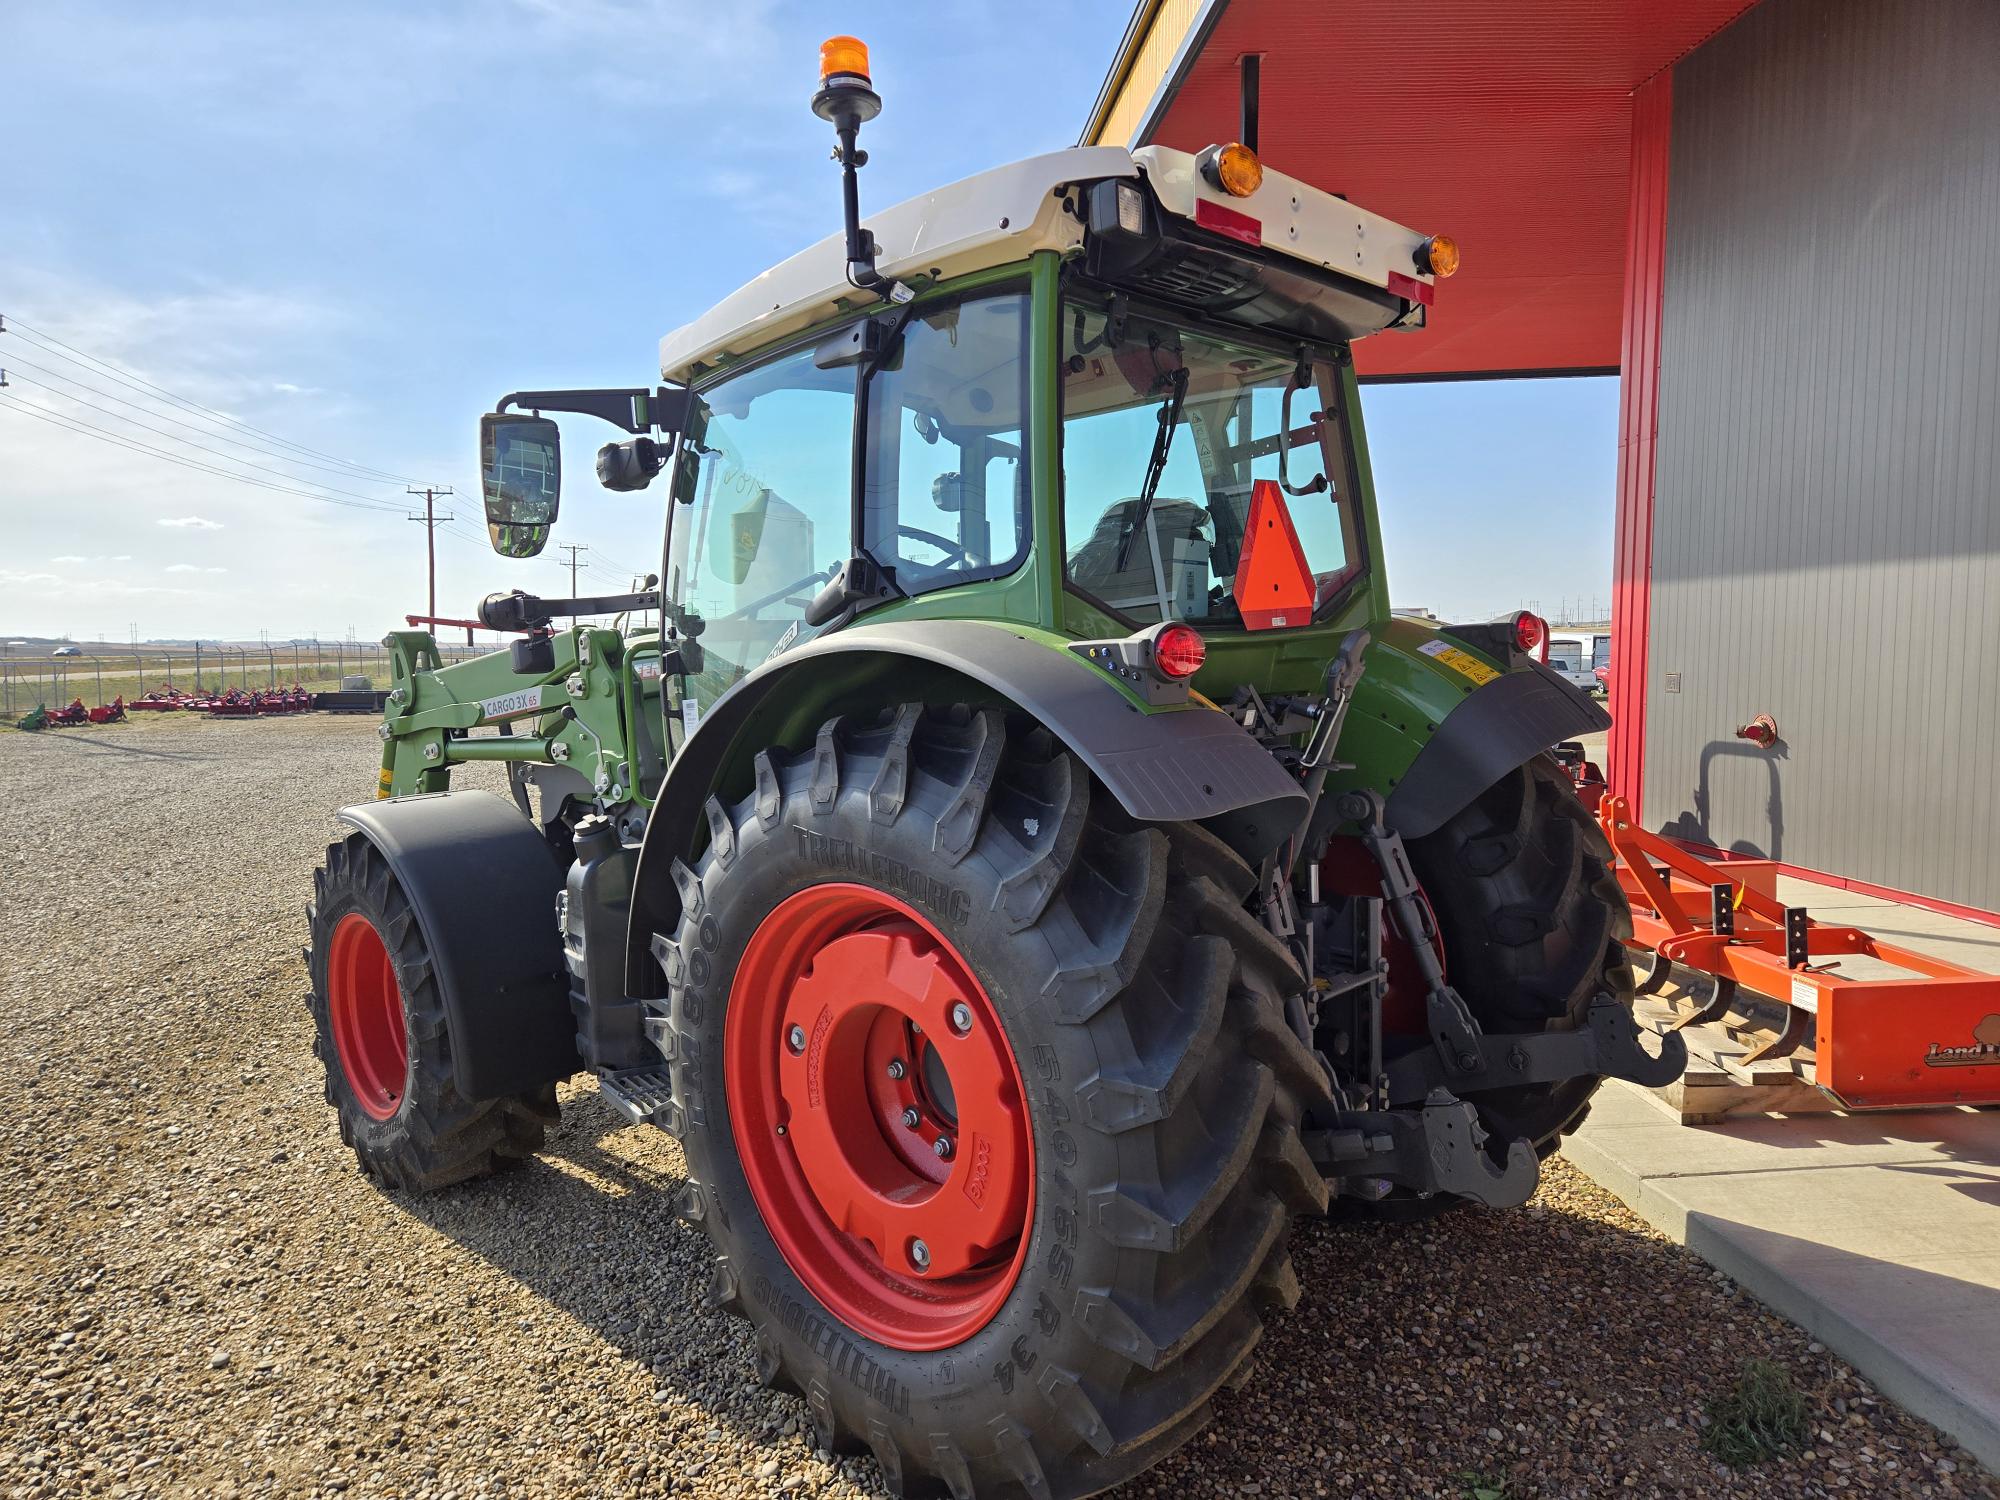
[365,1007]
[880,1116]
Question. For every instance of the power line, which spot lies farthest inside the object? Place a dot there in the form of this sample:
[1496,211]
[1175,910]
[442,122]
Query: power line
[135,381]
[343,470]
[190,443]
[71,424]
[573,548]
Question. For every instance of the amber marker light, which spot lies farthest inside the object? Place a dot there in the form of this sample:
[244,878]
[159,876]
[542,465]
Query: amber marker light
[1234,168]
[1438,256]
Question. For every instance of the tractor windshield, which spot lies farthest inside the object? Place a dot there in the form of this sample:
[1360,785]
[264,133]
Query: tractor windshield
[1165,433]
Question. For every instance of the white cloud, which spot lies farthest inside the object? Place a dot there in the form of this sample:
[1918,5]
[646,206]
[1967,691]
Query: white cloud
[192,568]
[196,523]
[25,580]
[69,558]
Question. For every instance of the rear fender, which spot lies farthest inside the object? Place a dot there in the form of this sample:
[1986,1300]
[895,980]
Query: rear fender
[1498,726]
[1170,765]
[483,884]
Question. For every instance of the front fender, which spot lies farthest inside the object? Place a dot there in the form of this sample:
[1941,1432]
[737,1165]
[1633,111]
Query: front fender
[483,884]
[1177,764]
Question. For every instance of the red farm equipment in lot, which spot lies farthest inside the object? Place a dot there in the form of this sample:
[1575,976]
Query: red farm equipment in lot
[166,699]
[70,717]
[109,713]
[234,704]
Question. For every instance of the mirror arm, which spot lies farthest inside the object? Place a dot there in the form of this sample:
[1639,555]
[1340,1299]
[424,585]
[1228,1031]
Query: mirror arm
[520,611]
[635,409]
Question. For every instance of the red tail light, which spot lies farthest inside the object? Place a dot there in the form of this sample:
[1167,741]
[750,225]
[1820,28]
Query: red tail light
[1179,651]
[1531,632]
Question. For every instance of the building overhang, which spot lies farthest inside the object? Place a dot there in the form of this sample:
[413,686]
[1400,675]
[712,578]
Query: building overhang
[1504,123]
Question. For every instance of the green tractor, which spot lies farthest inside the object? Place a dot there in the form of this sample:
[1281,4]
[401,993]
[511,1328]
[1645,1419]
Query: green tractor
[1029,864]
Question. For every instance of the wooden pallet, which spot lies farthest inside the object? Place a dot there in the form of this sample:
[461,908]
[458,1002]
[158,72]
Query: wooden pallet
[1718,1084]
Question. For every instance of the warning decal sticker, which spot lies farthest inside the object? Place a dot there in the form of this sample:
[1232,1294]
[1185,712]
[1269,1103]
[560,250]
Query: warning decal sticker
[1462,662]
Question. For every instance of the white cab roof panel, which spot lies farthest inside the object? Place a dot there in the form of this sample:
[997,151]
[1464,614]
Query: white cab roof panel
[985,220]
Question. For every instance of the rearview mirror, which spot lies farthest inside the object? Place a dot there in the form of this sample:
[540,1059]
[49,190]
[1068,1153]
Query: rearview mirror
[520,471]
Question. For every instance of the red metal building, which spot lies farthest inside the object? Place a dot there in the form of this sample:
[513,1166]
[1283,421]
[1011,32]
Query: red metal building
[1779,221]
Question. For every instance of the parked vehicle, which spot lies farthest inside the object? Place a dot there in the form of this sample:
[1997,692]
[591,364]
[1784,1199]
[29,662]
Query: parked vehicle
[1572,654]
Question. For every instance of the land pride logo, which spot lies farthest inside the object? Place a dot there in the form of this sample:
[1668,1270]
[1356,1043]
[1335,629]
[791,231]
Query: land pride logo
[1985,1048]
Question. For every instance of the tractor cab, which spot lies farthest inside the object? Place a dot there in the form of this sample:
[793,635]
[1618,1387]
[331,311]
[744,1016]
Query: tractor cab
[1111,387]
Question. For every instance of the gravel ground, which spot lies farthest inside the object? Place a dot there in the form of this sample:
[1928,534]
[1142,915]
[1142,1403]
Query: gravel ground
[199,1294]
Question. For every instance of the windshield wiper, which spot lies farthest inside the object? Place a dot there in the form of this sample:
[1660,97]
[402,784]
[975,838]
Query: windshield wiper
[1156,465]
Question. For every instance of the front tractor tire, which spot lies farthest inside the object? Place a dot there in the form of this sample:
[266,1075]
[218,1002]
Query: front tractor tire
[379,1032]
[936,927]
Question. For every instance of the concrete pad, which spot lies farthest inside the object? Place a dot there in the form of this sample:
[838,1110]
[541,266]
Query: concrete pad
[1879,1234]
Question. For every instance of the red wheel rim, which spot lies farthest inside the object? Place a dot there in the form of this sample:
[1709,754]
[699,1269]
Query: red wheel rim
[366,1009]
[850,1016]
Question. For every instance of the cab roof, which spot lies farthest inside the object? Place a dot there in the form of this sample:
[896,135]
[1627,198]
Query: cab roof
[1000,216]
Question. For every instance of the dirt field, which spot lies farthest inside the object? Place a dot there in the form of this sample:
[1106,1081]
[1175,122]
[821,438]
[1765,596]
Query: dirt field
[200,1295]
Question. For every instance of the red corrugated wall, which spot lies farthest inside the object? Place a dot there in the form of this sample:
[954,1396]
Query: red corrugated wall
[1638,426]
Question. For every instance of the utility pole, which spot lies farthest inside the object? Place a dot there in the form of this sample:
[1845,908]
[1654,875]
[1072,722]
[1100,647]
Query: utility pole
[572,548]
[430,520]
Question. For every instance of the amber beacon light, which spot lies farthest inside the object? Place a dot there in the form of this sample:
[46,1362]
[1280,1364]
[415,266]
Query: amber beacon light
[843,55]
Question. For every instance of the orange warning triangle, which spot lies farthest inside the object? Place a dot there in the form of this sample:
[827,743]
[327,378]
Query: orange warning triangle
[1274,584]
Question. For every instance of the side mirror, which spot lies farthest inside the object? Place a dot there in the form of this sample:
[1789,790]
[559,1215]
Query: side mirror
[520,471]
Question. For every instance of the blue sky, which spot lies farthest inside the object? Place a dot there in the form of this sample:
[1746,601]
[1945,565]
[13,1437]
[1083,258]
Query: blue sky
[354,226]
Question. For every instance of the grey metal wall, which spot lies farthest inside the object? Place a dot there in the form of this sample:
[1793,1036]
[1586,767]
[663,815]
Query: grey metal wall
[1826,543]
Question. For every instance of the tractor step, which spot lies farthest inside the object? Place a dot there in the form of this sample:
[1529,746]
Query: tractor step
[642,1095]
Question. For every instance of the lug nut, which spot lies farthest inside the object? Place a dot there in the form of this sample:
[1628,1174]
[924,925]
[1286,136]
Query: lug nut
[796,1039]
[896,1068]
[911,1118]
[961,1017]
[920,1255]
[943,1148]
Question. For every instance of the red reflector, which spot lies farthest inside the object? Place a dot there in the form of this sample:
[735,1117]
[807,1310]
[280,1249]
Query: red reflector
[1530,631]
[1274,583]
[1238,226]
[1179,651]
[1410,289]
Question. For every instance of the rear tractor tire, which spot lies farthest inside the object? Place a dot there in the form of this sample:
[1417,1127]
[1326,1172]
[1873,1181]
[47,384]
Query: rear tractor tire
[990,1108]
[380,1034]
[1531,915]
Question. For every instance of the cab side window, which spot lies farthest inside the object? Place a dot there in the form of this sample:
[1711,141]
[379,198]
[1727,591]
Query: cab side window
[947,485]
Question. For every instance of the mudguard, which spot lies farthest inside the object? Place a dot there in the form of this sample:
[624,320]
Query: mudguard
[483,884]
[1173,765]
[1507,721]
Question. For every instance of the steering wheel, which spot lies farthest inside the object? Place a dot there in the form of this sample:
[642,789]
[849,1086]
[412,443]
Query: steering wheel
[776,594]
[953,551]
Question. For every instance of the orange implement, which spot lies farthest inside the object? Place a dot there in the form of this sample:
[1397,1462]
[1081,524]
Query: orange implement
[1928,1035]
